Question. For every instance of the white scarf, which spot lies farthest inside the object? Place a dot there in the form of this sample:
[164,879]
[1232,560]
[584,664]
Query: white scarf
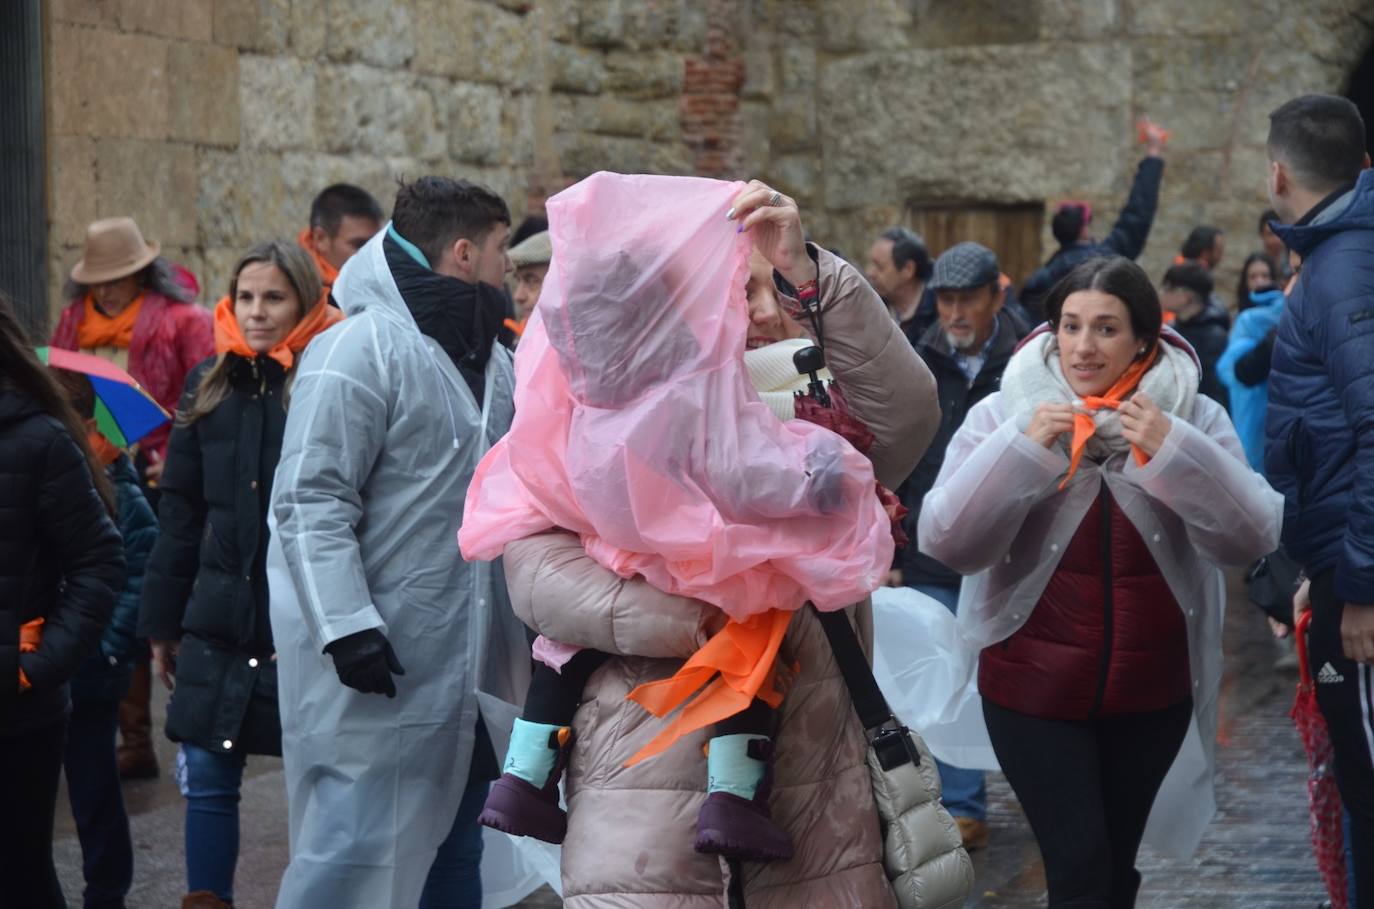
[1035,376]
[775,376]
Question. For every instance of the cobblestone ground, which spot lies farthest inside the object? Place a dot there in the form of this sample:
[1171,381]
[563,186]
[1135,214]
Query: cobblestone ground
[1256,852]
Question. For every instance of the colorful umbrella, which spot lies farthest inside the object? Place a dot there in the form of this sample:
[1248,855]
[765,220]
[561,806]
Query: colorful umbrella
[124,412]
[1324,801]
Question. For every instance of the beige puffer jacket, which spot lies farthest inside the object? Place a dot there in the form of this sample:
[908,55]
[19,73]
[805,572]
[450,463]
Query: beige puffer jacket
[630,830]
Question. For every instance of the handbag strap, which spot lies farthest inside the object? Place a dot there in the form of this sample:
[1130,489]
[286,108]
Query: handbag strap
[868,699]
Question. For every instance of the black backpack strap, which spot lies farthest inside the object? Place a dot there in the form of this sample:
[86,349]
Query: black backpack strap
[858,677]
[888,738]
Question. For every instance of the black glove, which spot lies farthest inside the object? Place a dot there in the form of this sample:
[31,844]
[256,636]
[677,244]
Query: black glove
[365,661]
[1252,367]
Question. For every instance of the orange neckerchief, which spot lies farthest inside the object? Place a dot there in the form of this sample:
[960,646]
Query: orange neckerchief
[1083,425]
[739,662]
[99,330]
[229,337]
[518,328]
[328,273]
[104,450]
[30,636]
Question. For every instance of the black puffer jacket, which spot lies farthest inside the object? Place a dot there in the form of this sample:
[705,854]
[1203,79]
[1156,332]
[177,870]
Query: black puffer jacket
[957,397]
[1208,332]
[207,578]
[105,674]
[60,560]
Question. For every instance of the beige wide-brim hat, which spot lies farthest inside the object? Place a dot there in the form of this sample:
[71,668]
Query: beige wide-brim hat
[535,249]
[115,249]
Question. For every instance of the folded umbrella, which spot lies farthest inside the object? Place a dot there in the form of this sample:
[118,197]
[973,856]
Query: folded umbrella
[124,412]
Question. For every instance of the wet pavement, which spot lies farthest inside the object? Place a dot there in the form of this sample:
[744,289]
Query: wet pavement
[1256,852]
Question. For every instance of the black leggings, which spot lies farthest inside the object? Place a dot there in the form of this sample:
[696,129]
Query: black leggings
[1087,788]
[553,697]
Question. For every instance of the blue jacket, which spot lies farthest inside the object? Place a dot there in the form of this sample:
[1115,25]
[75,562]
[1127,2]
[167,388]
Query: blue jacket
[105,674]
[1320,428]
[1250,402]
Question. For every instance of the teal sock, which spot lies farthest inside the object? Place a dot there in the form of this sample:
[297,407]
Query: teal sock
[530,757]
[729,768]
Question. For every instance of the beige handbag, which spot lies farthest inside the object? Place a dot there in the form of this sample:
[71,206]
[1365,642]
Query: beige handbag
[922,849]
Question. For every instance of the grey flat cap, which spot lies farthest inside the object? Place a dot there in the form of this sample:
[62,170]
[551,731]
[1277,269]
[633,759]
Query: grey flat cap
[536,249]
[965,266]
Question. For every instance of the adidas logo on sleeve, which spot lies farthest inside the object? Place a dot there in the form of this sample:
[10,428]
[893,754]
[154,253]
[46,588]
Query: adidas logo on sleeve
[1329,676]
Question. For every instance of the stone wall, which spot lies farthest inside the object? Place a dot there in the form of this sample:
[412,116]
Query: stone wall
[213,122]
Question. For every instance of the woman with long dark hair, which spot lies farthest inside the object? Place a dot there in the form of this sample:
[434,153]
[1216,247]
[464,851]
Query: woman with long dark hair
[61,566]
[1259,274]
[205,605]
[1090,503]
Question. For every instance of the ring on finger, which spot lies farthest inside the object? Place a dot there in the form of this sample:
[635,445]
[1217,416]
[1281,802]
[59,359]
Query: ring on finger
[774,198]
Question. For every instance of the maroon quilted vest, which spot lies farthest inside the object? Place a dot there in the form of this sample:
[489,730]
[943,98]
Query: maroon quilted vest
[1107,636]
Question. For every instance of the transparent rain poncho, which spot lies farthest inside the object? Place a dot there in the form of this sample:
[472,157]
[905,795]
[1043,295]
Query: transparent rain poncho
[637,428]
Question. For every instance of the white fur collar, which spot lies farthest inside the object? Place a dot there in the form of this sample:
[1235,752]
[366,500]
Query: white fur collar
[1034,376]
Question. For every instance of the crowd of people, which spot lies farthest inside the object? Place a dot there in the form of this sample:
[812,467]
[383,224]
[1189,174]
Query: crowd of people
[646,506]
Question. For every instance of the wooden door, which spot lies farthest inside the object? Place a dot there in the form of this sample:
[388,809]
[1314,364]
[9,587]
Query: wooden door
[1011,231]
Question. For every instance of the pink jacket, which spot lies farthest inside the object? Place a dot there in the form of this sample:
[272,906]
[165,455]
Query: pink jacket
[170,338]
[630,833]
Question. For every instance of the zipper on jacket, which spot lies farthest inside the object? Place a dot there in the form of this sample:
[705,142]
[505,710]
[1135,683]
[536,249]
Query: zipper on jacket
[1105,662]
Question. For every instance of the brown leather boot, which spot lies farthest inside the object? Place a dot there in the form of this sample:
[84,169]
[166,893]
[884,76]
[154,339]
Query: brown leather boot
[203,899]
[137,760]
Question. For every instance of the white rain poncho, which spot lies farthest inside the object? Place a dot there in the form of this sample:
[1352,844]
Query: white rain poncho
[381,441]
[996,514]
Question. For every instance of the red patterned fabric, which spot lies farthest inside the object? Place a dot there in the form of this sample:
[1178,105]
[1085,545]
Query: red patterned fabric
[170,338]
[1324,801]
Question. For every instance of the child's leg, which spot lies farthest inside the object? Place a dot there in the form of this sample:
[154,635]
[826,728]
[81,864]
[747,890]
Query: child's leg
[735,820]
[553,696]
[739,752]
[524,801]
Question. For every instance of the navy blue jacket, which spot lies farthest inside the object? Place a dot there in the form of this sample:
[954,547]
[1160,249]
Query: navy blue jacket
[106,673]
[1127,239]
[1320,427]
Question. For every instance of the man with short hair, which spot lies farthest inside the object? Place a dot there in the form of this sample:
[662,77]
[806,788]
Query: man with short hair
[1186,295]
[342,218]
[396,657]
[1320,424]
[1072,220]
[899,264]
[1204,244]
[966,350]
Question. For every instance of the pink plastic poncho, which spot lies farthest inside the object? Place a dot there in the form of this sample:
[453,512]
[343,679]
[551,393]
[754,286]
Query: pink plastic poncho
[637,428]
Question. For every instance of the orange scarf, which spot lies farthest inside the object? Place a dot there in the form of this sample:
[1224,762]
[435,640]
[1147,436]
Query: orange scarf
[104,450]
[99,330]
[739,662]
[1083,425]
[328,273]
[30,636]
[229,336]
[517,328]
